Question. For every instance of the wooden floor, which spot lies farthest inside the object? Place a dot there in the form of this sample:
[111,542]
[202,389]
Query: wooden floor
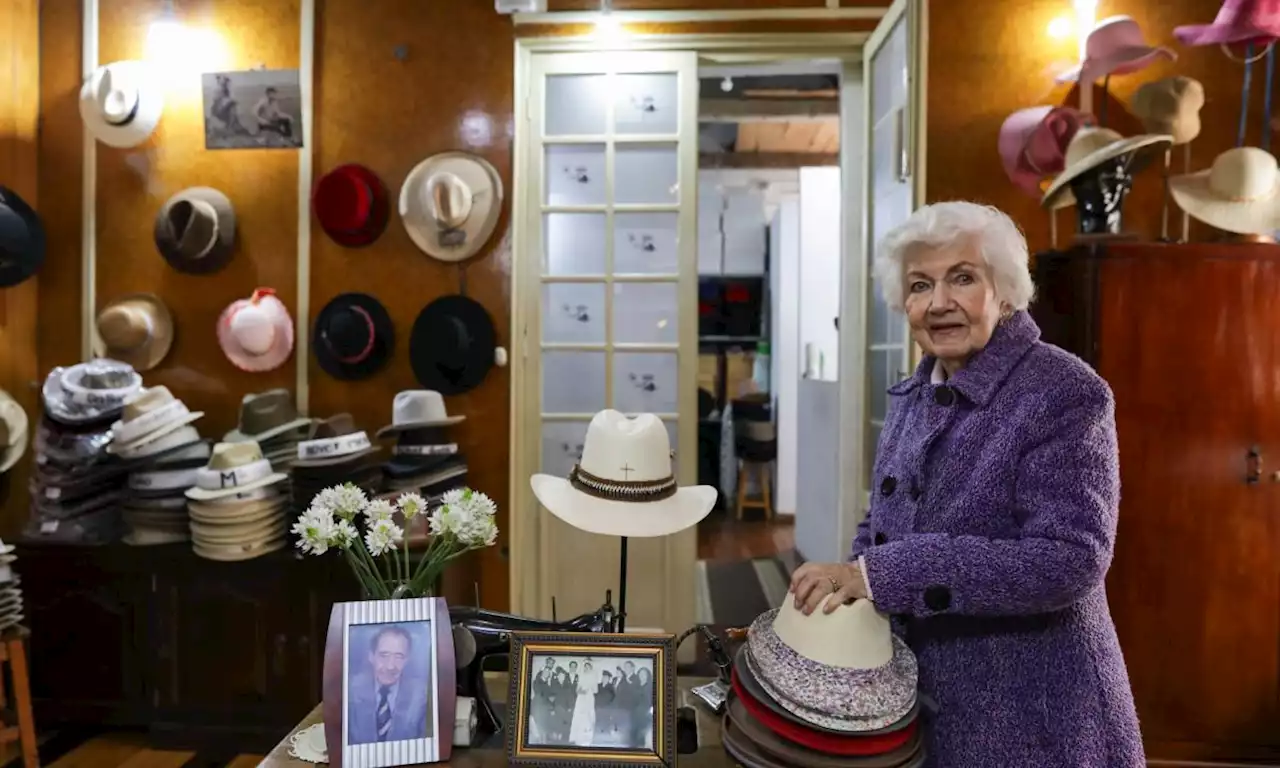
[722,539]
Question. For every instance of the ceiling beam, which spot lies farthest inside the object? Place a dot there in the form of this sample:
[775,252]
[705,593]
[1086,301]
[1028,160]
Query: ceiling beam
[711,160]
[755,110]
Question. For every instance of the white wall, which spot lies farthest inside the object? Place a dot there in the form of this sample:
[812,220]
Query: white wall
[820,248]
[785,347]
[818,486]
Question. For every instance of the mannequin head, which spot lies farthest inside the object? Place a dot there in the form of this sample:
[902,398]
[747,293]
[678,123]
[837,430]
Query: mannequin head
[1100,194]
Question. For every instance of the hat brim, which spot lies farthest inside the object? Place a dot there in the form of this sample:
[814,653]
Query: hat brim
[1058,194]
[240,551]
[383,338]
[1256,217]
[379,208]
[480,225]
[1221,34]
[145,118]
[151,437]
[156,348]
[395,429]
[1123,61]
[223,248]
[236,436]
[238,514]
[205,494]
[17,268]
[334,461]
[426,355]
[623,518]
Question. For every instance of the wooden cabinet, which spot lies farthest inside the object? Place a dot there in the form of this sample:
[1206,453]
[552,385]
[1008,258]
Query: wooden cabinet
[1188,336]
[194,650]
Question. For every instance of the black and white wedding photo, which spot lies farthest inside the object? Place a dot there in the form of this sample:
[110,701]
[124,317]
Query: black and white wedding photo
[252,109]
[599,702]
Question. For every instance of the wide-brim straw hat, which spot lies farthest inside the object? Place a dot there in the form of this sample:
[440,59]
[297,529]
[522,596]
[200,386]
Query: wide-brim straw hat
[1240,193]
[136,329]
[1090,148]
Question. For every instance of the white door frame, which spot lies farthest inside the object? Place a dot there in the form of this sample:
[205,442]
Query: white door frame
[523,534]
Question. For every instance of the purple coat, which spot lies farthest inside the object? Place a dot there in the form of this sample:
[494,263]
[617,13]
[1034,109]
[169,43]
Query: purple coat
[993,518]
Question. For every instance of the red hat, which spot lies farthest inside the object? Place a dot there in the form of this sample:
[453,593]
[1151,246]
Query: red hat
[351,204]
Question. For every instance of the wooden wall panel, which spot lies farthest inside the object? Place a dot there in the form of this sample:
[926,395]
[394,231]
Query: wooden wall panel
[682,5]
[19,116]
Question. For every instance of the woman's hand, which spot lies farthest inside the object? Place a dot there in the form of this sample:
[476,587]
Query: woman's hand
[812,582]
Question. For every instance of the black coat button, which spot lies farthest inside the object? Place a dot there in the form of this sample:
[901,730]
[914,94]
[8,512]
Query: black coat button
[937,598]
[888,485]
[881,538]
[944,396]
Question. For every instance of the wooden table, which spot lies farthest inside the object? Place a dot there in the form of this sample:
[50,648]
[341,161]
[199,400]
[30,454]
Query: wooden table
[709,755]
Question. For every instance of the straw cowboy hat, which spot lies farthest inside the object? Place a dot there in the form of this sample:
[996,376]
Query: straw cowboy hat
[13,431]
[1090,148]
[1240,193]
[453,345]
[195,230]
[352,205]
[1238,21]
[264,415]
[1033,144]
[1115,47]
[22,241]
[256,334]
[121,103]
[417,409]
[851,670]
[624,484]
[1170,106]
[233,468]
[254,509]
[450,204]
[354,336]
[136,329]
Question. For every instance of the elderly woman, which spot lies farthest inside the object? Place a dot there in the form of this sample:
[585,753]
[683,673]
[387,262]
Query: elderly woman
[993,511]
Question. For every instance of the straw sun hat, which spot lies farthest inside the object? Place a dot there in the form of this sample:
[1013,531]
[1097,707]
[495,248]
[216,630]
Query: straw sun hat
[1240,193]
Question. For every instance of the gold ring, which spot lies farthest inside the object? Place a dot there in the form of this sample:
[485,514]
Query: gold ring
[835,585]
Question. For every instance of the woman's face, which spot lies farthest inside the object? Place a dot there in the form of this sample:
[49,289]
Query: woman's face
[951,302]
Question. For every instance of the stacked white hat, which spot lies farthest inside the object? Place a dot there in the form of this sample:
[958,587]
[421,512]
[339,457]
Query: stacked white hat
[10,593]
[239,505]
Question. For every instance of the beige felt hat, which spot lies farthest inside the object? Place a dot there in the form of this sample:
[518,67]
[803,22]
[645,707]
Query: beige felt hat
[149,415]
[195,230]
[1240,193]
[264,415]
[233,468]
[450,204]
[13,431]
[1170,106]
[135,329]
[1090,148]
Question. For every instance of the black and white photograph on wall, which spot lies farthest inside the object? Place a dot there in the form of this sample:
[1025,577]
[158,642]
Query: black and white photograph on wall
[252,109]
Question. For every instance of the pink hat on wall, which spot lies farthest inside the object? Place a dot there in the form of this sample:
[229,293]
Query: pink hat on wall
[256,334]
[1115,47]
[1033,144]
[1238,21]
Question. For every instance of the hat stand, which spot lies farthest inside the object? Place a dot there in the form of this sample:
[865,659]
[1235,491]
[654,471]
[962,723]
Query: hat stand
[620,620]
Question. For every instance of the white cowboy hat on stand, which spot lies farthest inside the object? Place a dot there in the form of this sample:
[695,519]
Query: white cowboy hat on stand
[121,103]
[1240,193]
[450,204]
[624,485]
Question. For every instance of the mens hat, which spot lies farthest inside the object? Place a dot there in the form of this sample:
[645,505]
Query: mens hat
[256,334]
[1240,193]
[337,441]
[624,484]
[88,392]
[1090,148]
[351,204]
[121,103]
[136,329]
[450,204]
[1115,47]
[417,409]
[22,241]
[353,336]
[453,345]
[148,416]
[1170,106]
[233,468]
[264,415]
[1238,21]
[1033,144]
[13,431]
[195,230]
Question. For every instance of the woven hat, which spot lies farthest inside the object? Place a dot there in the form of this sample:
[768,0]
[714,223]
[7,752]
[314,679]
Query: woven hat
[256,334]
[195,230]
[1090,148]
[264,415]
[121,103]
[14,435]
[450,204]
[1170,106]
[22,239]
[136,329]
[148,416]
[352,205]
[1240,193]
[233,468]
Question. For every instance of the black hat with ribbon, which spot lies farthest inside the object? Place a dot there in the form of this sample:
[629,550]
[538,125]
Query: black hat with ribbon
[353,336]
[22,240]
[453,345]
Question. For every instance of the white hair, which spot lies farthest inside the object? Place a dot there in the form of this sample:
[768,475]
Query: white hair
[989,231]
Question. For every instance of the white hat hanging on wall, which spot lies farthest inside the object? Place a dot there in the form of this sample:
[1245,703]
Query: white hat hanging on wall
[256,333]
[121,103]
[450,205]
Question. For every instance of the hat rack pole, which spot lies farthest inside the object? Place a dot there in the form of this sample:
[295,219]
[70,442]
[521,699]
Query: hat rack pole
[1164,203]
[620,621]
[1268,77]
[1053,229]
[1186,168]
[1244,94]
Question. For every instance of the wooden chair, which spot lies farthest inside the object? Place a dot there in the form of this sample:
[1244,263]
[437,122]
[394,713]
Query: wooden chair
[761,470]
[17,723]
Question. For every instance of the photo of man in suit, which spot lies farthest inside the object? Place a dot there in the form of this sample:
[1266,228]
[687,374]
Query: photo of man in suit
[388,685]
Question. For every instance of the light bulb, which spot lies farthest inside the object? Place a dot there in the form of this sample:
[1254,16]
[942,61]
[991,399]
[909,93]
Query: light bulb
[726,84]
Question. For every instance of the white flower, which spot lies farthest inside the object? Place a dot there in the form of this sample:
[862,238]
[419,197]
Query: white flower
[379,509]
[344,501]
[383,535]
[467,516]
[454,496]
[314,530]
[344,534]
[411,505]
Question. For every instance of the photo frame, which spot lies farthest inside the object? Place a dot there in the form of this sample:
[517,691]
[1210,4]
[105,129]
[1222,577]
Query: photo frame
[252,109]
[604,700]
[390,683]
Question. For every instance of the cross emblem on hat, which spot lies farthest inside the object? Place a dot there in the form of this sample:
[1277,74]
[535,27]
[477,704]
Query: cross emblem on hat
[627,470]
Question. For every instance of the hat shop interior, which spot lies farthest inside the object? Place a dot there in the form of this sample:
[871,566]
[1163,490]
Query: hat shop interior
[305,344]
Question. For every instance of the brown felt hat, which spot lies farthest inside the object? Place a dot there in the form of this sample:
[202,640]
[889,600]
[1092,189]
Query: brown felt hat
[195,230]
[136,329]
[1170,106]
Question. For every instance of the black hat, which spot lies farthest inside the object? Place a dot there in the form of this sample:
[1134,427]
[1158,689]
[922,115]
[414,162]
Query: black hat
[21,239]
[353,336]
[452,345]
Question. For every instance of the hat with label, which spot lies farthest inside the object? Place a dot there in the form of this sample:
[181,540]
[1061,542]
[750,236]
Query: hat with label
[336,441]
[233,468]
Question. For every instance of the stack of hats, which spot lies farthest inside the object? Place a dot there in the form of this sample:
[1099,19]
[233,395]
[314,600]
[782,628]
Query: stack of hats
[10,594]
[424,460]
[161,451]
[271,419]
[238,506]
[76,485]
[338,454]
[835,689]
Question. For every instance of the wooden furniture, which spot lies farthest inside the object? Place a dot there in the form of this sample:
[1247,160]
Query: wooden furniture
[20,726]
[762,470]
[197,652]
[1188,336]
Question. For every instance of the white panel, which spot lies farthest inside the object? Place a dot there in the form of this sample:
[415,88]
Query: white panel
[744,232]
[646,174]
[818,491]
[573,313]
[575,174]
[576,105]
[710,238]
[575,244]
[646,313]
[786,348]
[646,104]
[820,248]
[645,243]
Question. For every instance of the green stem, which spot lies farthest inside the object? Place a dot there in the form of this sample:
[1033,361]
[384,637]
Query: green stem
[371,583]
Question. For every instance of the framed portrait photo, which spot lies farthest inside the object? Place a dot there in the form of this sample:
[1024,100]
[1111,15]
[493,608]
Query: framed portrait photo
[602,699]
[389,683]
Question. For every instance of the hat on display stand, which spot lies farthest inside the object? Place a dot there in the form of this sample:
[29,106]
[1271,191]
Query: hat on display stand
[1171,106]
[14,431]
[337,454]
[450,204]
[272,420]
[237,506]
[1033,144]
[121,103]
[1238,21]
[353,336]
[195,230]
[135,329]
[418,409]
[1240,193]
[256,334]
[352,205]
[22,239]
[1115,46]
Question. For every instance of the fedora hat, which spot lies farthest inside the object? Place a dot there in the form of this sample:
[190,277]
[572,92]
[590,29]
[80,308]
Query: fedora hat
[624,484]
[336,441]
[136,329]
[1170,106]
[256,334]
[121,103]
[13,431]
[22,242]
[88,392]
[1240,193]
[1033,144]
[233,468]
[851,670]
[264,415]
[1115,46]
[453,345]
[352,205]
[195,230]
[417,409]
[450,204]
[1090,148]
[148,416]
[353,336]
[1238,21]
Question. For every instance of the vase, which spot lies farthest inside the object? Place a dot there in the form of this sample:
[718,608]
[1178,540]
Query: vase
[400,590]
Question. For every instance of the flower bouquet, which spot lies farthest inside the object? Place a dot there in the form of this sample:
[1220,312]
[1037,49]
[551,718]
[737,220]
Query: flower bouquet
[380,556]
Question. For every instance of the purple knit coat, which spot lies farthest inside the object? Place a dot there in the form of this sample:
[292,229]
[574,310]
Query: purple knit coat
[992,524]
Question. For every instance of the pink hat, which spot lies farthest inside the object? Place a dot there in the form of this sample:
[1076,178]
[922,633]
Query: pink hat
[256,334]
[1114,47]
[1033,144]
[1238,21]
